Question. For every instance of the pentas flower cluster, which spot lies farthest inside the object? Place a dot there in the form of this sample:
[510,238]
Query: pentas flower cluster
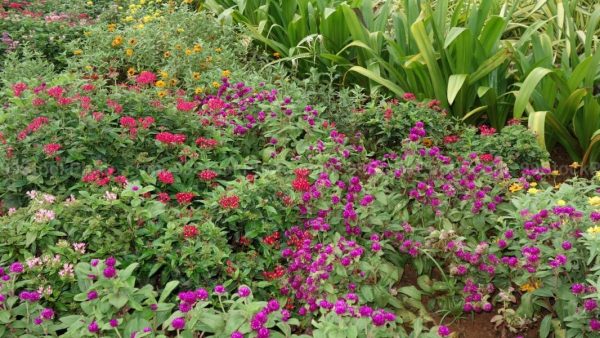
[32,127]
[229,202]
[301,183]
[170,139]
[104,177]
[132,125]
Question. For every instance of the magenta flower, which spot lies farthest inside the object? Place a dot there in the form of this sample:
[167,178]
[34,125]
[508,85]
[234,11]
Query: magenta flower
[178,323]
[93,327]
[444,331]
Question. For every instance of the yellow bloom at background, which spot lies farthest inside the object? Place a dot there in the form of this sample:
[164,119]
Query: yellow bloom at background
[593,230]
[160,83]
[196,76]
[131,71]
[188,52]
[161,93]
[167,54]
[225,73]
[532,191]
[594,201]
[77,52]
[218,50]
[515,187]
[112,27]
[117,41]
[129,52]
[198,90]
[216,84]
[197,48]
[561,203]
[531,286]
[164,74]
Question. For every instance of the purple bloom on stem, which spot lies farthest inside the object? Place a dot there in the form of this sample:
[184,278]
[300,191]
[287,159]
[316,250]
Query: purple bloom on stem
[113,323]
[91,295]
[237,334]
[178,323]
[109,272]
[93,327]
[47,313]
[219,289]
[244,291]
[16,267]
[444,331]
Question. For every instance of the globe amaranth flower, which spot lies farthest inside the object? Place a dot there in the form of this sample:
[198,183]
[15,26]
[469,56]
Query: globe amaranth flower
[237,334]
[47,314]
[444,331]
[91,295]
[178,323]
[244,291]
[16,267]
[219,289]
[113,322]
[109,272]
[93,327]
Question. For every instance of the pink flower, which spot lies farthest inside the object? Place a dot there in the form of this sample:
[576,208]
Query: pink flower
[51,148]
[145,77]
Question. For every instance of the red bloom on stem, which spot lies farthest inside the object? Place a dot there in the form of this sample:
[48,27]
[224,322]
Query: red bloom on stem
[451,139]
[168,138]
[387,115]
[229,202]
[206,143]
[409,97]
[163,197]
[486,130]
[190,231]
[35,124]
[18,88]
[52,148]
[128,122]
[300,184]
[146,77]
[165,177]
[185,106]
[301,172]
[207,175]
[184,197]
[486,157]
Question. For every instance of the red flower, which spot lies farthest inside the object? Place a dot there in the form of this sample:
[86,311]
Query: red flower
[35,124]
[146,77]
[207,175]
[275,274]
[514,122]
[165,177]
[184,197]
[409,96]
[486,131]
[272,239]
[18,88]
[387,115]
[301,184]
[229,202]
[51,149]
[163,197]
[451,139]
[486,157]
[185,106]
[250,178]
[206,143]
[190,231]
[301,172]
[168,138]
[128,122]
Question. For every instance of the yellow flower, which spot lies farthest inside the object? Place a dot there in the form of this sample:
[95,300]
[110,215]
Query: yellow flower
[160,83]
[164,74]
[561,202]
[87,33]
[187,1]
[557,186]
[77,52]
[132,42]
[515,187]
[197,48]
[218,50]
[140,26]
[276,55]
[597,174]
[196,76]
[129,52]
[162,93]
[178,47]
[575,165]
[225,73]
[532,191]
[533,184]
[593,230]
[112,27]
[427,142]
[131,71]
[594,201]
[128,18]
[188,52]
[198,90]
[117,41]
[167,54]
[180,30]
[555,173]
[173,82]
[216,84]
[531,286]
[146,18]
[88,67]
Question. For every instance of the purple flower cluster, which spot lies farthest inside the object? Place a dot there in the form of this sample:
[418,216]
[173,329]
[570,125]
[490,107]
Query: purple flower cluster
[187,299]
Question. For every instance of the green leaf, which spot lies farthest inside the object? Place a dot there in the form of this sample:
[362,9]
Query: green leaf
[167,290]
[527,88]
[545,326]
[455,83]
[411,291]
[372,76]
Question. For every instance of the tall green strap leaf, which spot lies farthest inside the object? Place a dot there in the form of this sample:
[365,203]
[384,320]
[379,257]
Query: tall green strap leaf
[589,151]
[455,83]
[536,123]
[425,47]
[375,77]
[527,88]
